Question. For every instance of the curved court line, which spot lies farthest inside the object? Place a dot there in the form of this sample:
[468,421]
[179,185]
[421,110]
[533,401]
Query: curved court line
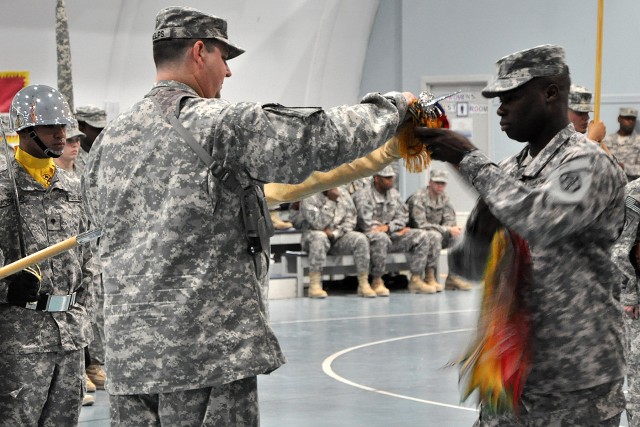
[380,316]
[326,367]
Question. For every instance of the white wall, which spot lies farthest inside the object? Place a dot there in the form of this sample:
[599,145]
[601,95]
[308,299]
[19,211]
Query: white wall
[299,52]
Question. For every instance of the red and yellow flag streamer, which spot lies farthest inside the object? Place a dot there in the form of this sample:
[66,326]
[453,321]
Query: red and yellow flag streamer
[499,360]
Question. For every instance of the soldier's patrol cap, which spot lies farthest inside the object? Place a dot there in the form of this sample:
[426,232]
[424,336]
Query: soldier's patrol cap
[387,172]
[92,115]
[73,131]
[179,22]
[628,112]
[439,175]
[580,99]
[520,67]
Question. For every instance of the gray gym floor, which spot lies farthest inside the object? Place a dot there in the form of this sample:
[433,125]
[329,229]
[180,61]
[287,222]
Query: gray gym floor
[362,362]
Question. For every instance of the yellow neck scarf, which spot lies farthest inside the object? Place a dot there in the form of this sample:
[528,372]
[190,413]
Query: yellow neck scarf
[41,170]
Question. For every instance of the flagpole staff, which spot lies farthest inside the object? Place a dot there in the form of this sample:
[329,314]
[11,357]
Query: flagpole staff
[597,90]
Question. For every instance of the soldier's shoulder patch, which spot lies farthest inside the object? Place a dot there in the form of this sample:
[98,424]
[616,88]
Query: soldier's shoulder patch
[571,181]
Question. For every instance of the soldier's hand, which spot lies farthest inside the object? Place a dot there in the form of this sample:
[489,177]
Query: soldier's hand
[403,231]
[596,131]
[410,97]
[22,287]
[328,232]
[444,145]
[455,231]
[632,311]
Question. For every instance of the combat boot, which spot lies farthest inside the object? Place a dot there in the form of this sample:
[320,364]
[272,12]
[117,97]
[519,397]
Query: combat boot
[430,279]
[278,223]
[455,282]
[378,286]
[96,374]
[88,400]
[418,286]
[364,288]
[90,386]
[315,285]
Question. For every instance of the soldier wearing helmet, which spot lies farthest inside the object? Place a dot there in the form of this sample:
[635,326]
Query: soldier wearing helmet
[44,312]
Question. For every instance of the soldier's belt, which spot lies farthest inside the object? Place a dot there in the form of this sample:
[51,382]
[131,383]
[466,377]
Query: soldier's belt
[53,303]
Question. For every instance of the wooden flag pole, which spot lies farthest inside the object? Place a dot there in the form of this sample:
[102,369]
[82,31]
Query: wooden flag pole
[597,89]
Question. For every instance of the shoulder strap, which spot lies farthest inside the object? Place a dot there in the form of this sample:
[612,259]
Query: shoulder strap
[225,175]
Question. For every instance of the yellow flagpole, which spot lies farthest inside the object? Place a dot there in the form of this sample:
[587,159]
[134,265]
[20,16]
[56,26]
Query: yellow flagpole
[597,89]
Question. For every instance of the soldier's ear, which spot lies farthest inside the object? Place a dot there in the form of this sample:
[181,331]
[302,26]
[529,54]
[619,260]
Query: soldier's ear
[552,92]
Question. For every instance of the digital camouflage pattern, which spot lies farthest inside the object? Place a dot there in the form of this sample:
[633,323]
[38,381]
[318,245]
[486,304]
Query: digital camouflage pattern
[92,115]
[49,216]
[626,149]
[185,307]
[376,209]
[568,203]
[518,68]
[234,404]
[429,213]
[63,51]
[630,296]
[580,99]
[340,216]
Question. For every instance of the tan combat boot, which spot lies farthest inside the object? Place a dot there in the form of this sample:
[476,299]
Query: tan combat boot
[455,282]
[315,285]
[278,223]
[418,286]
[364,289]
[96,374]
[430,279]
[378,286]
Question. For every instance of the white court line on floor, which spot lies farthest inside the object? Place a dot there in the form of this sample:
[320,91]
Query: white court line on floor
[381,316]
[326,367]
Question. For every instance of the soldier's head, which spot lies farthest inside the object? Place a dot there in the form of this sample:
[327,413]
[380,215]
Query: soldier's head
[332,194]
[438,181]
[533,87]
[383,180]
[91,121]
[40,115]
[193,47]
[579,107]
[72,147]
[627,120]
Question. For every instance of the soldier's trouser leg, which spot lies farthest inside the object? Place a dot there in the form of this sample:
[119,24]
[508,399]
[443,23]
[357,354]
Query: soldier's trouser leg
[415,243]
[97,345]
[434,247]
[597,406]
[356,244]
[233,404]
[378,247]
[632,355]
[43,389]
[317,244]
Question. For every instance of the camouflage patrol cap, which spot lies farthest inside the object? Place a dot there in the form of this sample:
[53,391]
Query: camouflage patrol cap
[628,112]
[520,67]
[179,22]
[92,115]
[580,99]
[387,172]
[73,131]
[439,175]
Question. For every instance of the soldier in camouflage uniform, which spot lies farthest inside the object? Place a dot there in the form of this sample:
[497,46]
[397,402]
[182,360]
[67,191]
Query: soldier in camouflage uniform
[566,198]
[331,219]
[91,121]
[185,250]
[625,143]
[431,210]
[44,325]
[383,217]
[626,254]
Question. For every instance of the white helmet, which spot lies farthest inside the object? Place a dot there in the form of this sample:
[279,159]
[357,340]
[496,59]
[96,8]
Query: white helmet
[38,105]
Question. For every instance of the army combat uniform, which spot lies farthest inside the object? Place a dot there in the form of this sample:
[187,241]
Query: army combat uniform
[623,252]
[41,352]
[340,216]
[567,202]
[185,302]
[378,209]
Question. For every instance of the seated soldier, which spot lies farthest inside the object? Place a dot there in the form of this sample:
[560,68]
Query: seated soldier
[383,217]
[330,218]
[431,210]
